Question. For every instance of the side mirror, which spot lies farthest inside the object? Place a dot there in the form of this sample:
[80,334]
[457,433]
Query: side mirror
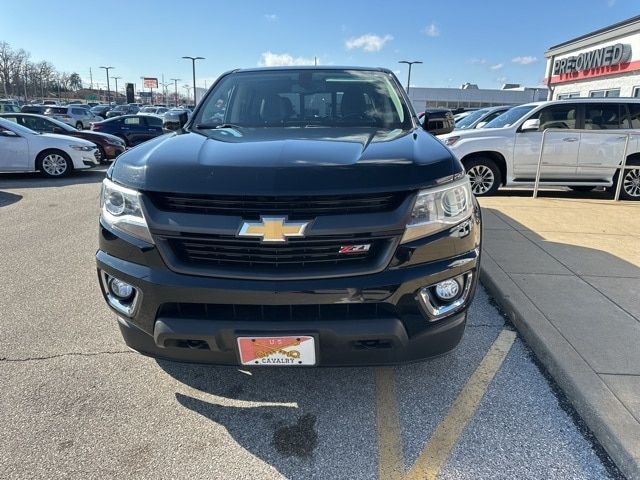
[438,124]
[183,119]
[531,125]
[8,133]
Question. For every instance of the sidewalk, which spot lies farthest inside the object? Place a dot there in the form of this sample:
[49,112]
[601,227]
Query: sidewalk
[567,272]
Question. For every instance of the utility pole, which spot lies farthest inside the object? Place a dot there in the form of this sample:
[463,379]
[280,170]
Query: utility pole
[108,88]
[193,65]
[116,79]
[90,79]
[409,77]
[175,82]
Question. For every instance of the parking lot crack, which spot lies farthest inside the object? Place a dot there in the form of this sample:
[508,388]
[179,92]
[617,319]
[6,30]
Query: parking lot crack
[61,355]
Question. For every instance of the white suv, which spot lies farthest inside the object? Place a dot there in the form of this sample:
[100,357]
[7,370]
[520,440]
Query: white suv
[74,115]
[507,149]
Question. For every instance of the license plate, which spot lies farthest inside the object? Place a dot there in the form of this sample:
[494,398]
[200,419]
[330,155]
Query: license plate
[277,351]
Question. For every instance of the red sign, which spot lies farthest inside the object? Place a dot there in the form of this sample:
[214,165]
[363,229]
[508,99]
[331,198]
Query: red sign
[150,82]
[595,72]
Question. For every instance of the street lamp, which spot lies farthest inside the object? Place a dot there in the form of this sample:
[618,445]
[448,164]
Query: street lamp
[193,65]
[409,78]
[175,82]
[116,79]
[188,89]
[108,89]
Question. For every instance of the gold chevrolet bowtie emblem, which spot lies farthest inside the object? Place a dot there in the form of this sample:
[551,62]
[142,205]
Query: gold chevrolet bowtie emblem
[273,229]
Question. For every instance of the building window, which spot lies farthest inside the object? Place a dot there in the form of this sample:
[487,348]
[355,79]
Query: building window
[636,92]
[614,92]
[564,96]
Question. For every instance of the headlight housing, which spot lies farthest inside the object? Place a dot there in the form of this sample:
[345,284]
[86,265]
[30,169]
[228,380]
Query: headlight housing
[120,209]
[82,148]
[450,141]
[439,208]
[116,143]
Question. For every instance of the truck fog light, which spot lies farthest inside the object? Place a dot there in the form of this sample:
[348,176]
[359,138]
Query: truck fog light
[120,289]
[447,289]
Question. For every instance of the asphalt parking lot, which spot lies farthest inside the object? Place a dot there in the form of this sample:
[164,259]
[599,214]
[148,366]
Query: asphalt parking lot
[75,403]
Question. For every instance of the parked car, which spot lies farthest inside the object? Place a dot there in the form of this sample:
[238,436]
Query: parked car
[23,150]
[39,109]
[507,149]
[109,146]
[314,222]
[133,129]
[50,102]
[9,108]
[101,110]
[157,111]
[80,118]
[120,110]
[479,118]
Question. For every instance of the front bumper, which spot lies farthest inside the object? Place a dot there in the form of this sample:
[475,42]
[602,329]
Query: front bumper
[174,309]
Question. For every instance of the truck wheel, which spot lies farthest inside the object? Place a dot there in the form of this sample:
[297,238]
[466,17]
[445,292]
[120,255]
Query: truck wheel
[54,164]
[79,126]
[484,175]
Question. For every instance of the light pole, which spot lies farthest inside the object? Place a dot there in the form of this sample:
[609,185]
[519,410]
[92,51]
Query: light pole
[116,79]
[193,65]
[108,89]
[409,78]
[175,83]
[164,91]
[188,89]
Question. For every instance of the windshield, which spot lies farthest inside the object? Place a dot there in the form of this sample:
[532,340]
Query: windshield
[468,120]
[62,125]
[509,117]
[301,98]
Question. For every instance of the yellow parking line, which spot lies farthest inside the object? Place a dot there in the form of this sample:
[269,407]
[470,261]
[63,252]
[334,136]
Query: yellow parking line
[446,436]
[390,459]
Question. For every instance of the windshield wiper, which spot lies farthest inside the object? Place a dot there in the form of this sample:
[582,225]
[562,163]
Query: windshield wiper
[215,126]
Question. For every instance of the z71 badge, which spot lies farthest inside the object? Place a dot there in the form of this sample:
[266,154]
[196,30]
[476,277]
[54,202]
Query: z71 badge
[355,248]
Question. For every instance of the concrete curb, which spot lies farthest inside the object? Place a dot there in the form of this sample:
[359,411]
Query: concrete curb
[612,424]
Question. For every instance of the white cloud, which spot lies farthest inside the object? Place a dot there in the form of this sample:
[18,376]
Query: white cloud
[497,66]
[271,17]
[431,30]
[478,61]
[270,59]
[526,60]
[368,42]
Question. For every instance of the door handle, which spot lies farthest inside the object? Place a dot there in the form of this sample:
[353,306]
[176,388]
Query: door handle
[570,139]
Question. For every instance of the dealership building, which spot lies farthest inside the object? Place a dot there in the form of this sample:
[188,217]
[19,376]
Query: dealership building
[604,63]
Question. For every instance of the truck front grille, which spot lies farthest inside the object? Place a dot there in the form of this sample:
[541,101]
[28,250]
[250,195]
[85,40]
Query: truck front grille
[299,254]
[252,207]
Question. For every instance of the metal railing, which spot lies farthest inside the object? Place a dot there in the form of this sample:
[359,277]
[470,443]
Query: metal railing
[621,167]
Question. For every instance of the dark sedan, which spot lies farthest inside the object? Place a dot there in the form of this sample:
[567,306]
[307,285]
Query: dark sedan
[34,109]
[133,129]
[120,110]
[101,110]
[110,146]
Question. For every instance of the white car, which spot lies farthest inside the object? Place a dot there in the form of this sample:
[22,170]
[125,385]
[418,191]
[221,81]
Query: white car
[23,150]
[507,149]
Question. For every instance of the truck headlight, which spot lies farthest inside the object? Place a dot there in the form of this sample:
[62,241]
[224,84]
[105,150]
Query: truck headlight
[120,209]
[439,208]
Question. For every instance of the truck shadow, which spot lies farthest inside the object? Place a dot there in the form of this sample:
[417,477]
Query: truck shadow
[321,422]
[7,198]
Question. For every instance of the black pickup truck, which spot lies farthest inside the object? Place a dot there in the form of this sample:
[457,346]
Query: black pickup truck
[301,216]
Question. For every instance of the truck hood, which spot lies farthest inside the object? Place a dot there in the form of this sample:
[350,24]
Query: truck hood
[287,161]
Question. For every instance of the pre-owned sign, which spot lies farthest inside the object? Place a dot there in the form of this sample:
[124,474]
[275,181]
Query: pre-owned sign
[598,58]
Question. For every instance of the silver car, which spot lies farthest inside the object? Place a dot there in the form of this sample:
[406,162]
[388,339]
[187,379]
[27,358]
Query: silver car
[73,115]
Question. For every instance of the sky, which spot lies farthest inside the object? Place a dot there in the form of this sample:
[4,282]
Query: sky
[484,41]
